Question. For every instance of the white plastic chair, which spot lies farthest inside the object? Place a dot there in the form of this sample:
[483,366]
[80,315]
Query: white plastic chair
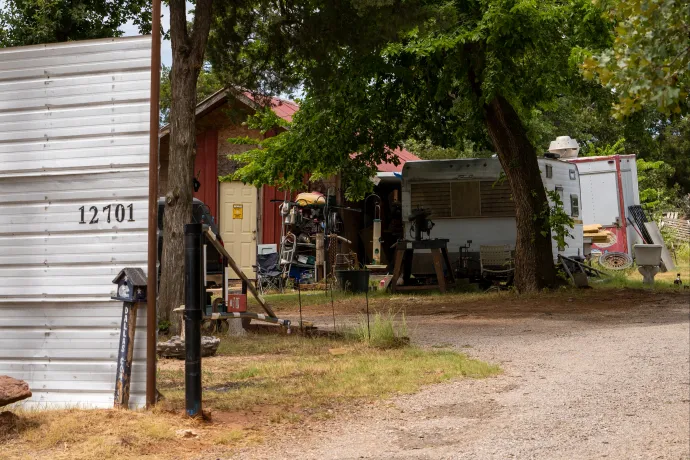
[496,260]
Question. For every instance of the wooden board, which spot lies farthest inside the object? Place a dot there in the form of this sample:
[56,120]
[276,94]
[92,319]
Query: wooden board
[465,199]
[591,228]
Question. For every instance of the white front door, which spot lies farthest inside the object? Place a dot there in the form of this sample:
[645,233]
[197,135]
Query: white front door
[238,204]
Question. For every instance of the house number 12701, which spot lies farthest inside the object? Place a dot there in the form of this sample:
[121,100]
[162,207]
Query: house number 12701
[120,213]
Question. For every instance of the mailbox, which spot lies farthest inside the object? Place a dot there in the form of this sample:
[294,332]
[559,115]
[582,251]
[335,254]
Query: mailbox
[131,285]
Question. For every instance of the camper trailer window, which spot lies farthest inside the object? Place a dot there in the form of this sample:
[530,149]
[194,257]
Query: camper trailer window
[549,171]
[572,174]
[574,206]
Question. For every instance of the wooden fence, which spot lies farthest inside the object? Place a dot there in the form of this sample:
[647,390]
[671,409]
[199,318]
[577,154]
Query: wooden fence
[679,228]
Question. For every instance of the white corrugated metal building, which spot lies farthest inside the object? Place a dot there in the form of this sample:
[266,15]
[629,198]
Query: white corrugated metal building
[74,136]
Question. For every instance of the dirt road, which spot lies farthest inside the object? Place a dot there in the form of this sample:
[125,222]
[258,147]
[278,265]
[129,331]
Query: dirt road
[610,382]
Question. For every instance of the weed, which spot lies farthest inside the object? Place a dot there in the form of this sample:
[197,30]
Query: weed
[382,330]
[229,437]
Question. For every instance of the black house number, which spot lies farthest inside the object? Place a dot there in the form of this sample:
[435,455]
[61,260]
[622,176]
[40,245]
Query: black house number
[118,212]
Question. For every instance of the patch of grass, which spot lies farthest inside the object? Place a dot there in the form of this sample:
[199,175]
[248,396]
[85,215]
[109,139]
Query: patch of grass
[229,437]
[269,344]
[632,279]
[296,373]
[382,330]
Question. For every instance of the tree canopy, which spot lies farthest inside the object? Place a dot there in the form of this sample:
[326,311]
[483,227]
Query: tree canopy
[29,22]
[428,80]
[446,72]
[649,62]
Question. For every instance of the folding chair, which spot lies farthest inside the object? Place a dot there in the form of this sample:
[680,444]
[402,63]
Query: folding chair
[268,273]
[496,263]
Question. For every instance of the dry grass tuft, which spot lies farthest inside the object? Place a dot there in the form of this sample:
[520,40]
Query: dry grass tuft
[78,434]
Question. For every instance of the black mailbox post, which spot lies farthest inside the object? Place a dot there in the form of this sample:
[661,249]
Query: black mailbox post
[131,290]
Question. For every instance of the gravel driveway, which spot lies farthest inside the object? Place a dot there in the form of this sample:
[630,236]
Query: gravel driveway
[605,384]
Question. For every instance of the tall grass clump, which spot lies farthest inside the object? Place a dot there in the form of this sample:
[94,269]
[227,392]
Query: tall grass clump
[384,330]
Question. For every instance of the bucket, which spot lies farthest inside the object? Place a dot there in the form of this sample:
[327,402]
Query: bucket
[353,280]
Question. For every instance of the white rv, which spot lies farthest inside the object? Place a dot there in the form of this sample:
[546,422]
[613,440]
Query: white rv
[470,201]
[609,188]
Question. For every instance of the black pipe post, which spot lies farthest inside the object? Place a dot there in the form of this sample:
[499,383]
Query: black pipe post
[194,292]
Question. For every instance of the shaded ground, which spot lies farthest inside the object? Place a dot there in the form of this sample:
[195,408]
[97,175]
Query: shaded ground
[599,374]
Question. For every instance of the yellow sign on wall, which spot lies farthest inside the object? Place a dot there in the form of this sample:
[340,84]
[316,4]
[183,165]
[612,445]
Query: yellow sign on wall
[237,211]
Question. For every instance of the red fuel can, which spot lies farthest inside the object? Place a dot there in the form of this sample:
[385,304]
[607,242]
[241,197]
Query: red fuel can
[237,303]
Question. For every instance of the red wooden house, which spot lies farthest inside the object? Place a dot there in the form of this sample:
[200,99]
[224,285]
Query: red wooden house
[247,216]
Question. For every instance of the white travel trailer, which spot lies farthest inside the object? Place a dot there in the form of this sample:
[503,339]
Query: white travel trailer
[609,188]
[470,202]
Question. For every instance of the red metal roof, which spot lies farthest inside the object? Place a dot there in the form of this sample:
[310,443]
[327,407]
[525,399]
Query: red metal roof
[282,107]
[403,155]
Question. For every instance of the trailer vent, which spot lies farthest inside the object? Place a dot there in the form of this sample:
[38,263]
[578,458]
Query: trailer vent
[497,200]
[435,196]
[464,199]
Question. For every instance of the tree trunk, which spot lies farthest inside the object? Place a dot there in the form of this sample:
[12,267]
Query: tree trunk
[534,267]
[188,52]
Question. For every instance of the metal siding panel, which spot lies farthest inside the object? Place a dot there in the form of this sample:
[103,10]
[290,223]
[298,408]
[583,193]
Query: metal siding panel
[73,132]
[116,184]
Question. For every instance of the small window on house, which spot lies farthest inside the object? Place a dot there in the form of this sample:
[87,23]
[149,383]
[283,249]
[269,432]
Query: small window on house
[572,174]
[574,206]
[549,171]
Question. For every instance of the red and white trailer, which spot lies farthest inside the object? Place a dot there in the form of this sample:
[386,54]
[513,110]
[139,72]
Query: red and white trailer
[608,187]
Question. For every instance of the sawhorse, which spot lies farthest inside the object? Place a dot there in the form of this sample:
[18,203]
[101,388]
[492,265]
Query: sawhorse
[404,252]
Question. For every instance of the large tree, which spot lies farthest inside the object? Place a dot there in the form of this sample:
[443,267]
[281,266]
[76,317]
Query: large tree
[188,47]
[30,22]
[436,70]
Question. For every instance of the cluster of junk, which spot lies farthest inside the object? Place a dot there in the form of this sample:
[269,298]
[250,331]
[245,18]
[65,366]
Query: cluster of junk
[443,222]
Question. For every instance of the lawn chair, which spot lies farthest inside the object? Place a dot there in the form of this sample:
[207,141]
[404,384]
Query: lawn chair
[496,264]
[269,275]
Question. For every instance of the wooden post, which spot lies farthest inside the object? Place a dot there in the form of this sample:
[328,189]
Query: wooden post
[125,354]
[399,256]
[154,105]
[438,268]
[451,275]
[320,272]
